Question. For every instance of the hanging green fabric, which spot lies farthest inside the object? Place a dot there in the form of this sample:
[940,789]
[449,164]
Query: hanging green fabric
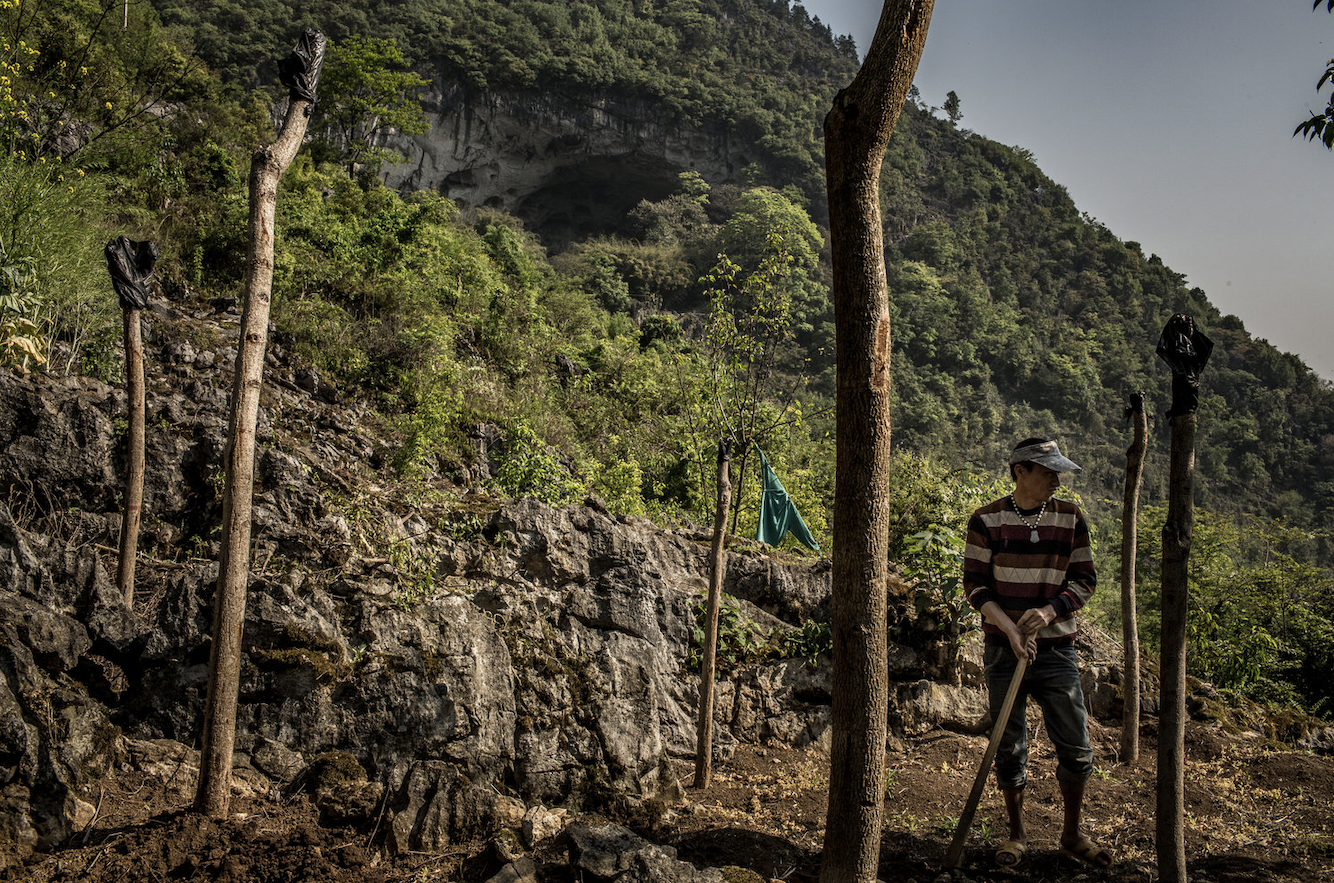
[778,514]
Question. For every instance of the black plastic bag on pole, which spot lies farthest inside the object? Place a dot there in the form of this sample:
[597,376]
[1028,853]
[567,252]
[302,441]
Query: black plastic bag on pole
[300,71]
[1185,349]
[131,266]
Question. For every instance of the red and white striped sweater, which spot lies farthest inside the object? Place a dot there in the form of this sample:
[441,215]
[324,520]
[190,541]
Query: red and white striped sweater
[1002,564]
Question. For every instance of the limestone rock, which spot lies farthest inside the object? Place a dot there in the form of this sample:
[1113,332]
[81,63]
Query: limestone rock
[540,823]
[611,852]
[542,157]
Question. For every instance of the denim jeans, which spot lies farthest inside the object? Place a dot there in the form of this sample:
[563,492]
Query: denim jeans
[1053,680]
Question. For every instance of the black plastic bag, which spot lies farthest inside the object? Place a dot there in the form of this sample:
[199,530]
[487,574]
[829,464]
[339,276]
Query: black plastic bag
[131,266]
[1185,349]
[300,71]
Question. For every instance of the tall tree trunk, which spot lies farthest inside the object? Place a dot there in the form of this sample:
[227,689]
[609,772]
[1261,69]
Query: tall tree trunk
[215,764]
[717,571]
[1177,531]
[134,479]
[857,131]
[1129,549]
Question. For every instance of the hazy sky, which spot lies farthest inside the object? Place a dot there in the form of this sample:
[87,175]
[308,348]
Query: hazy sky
[1170,122]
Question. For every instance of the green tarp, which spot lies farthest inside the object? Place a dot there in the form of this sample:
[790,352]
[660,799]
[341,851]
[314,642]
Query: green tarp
[778,514]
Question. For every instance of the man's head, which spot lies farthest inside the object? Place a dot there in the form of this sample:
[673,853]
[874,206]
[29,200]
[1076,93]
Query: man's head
[1036,465]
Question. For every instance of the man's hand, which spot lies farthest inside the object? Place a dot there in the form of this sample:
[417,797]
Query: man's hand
[1023,645]
[1036,619]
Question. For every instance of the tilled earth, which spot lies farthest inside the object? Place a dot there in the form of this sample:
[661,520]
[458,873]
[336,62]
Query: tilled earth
[1253,816]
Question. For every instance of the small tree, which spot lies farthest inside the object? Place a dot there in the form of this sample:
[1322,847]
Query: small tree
[749,320]
[750,324]
[370,93]
[952,108]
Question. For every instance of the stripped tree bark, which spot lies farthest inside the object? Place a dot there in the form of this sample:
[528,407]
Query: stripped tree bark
[266,168]
[134,479]
[1129,549]
[857,131]
[1171,815]
[1186,350]
[131,266]
[717,571]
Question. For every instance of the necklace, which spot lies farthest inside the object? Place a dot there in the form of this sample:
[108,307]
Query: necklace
[1032,528]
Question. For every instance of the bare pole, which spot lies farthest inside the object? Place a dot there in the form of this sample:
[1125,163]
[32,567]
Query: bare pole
[1186,350]
[266,168]
[131,266]
[717,571]
[1130,681]
[134,479]
[1171,808]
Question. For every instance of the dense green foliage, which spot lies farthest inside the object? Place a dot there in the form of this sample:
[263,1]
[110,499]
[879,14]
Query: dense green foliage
[366,90]
[593,371]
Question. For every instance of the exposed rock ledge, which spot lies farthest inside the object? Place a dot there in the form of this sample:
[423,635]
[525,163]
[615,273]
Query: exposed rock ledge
[562,166]
[535,658]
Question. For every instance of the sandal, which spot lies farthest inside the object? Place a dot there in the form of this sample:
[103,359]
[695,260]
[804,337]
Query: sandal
[1010,853]
[1088,851]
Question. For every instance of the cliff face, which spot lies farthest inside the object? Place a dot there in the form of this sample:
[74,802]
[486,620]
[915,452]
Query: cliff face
[471,657]
[568,167]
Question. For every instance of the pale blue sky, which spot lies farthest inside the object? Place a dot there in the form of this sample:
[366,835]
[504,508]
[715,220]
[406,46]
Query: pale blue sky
[1169,121]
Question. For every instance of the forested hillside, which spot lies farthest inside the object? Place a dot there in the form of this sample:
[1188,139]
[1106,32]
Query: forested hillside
[761,69]
[490,364]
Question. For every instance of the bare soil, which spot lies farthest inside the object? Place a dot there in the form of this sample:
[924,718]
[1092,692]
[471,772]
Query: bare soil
[1253,816]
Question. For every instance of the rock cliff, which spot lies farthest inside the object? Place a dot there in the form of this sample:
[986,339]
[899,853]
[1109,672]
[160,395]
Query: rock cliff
[465,662]
[568,168]
[436,659]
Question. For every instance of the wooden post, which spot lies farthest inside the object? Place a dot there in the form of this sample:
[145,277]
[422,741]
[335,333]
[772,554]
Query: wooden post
[1186,350]
[717,570]
[215,763]
[1170,822]
[131,267]
[1130,679]
[134,479]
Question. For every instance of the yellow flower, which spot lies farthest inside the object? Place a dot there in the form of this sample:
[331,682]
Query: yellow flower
[108,105]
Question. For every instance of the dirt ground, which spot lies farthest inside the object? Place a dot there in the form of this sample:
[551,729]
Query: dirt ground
[1253,816]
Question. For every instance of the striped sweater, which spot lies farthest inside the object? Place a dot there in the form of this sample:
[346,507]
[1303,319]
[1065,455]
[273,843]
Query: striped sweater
[1001,564]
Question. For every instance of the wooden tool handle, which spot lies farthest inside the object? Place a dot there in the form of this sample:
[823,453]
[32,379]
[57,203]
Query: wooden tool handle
[955,855]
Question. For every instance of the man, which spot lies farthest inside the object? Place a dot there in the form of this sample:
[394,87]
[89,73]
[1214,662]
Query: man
[1028,567]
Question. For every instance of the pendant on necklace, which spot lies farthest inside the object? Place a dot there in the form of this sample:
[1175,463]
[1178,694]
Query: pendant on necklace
[1033,536]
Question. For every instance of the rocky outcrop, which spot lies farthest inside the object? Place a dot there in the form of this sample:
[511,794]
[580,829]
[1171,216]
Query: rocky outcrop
[441,673]
[564,166]
[539,658]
